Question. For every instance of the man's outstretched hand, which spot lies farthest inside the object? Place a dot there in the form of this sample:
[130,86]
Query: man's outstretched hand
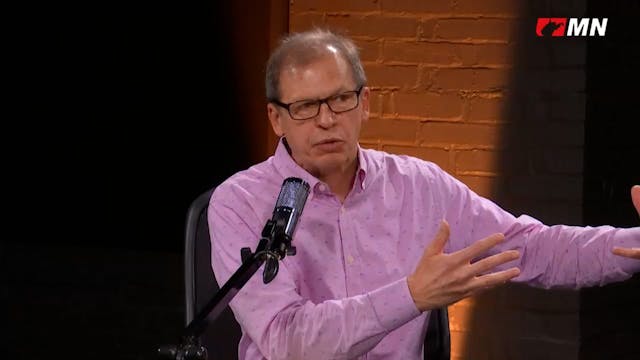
[633,253]
[441,279]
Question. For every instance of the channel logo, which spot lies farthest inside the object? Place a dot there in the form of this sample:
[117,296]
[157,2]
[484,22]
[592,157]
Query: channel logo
[556,27]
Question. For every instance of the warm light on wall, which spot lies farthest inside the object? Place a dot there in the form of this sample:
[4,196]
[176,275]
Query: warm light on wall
[460,86]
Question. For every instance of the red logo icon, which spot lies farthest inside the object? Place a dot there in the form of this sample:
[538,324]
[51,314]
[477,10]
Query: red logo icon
[551,26]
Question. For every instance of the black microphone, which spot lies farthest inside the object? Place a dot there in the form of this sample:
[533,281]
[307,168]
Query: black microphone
[278,232]
[291,200]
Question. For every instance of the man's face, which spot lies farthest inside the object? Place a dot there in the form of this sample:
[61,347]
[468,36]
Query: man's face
[327,142]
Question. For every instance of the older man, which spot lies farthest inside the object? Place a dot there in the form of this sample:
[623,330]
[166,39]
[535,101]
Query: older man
[383,238]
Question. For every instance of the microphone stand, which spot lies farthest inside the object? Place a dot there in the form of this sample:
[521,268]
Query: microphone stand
[274,245]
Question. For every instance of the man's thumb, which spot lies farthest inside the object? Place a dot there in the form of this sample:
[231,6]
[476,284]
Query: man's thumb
[635,197]
[438,242]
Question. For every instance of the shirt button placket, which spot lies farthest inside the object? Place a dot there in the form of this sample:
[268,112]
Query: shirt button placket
[353,285]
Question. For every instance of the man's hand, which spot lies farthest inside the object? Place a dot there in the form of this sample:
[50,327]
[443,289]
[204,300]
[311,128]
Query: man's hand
[633,253]
[442,279]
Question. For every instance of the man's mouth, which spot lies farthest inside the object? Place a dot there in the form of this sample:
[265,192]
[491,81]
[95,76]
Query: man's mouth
[328,141]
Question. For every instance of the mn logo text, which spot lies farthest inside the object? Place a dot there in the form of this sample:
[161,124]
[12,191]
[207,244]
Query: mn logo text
[571,26]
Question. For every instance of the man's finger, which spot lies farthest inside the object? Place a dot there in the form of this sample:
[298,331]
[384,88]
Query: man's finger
[635,197]
[633,253]
[494,279]
[479,247]
[486,264]
[437,245]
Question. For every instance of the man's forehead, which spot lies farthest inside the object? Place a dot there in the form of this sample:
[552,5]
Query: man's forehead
[298,67]
[322,77]
[294,93]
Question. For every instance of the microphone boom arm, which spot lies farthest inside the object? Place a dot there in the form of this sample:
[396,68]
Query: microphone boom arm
[274,245]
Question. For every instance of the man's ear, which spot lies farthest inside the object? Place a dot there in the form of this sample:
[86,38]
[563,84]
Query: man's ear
[275,119]
[364,101]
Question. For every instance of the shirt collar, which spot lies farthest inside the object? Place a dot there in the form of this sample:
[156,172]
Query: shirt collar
[287,167]
[362,171]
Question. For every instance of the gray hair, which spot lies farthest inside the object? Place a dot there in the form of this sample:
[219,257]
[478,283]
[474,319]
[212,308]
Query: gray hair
[301,49]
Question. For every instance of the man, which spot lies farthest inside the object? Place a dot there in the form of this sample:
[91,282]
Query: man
[383,239]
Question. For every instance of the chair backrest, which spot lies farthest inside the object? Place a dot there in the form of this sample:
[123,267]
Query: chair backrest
[222,336]
[437,341]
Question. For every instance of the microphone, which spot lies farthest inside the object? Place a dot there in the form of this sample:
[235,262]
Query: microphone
[291,200]
[278,232]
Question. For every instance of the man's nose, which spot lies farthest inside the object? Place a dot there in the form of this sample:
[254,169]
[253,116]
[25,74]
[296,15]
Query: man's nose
[326,116]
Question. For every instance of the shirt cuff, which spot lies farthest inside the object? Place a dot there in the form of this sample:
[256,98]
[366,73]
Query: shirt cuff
[393,304]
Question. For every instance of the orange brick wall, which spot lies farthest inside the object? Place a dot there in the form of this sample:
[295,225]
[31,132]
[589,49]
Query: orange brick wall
[437,73]
[447,86]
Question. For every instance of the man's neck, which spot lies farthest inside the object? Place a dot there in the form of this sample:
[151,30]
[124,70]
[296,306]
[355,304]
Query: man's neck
[341,181]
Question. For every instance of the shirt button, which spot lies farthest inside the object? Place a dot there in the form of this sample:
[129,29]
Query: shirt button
[342,210]
[322,188]
[350,259]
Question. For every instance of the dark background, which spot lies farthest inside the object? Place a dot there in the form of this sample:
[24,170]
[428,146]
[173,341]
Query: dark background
[141,115]
[125,113]
[609,317]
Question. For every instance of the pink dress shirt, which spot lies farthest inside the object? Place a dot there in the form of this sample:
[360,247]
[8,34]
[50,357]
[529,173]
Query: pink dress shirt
[344,295]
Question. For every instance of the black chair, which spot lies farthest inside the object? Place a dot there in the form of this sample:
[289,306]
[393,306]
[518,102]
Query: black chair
[222,336]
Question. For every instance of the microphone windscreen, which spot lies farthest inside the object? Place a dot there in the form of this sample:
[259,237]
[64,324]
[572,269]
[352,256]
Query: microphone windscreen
[293,196]
[293,193]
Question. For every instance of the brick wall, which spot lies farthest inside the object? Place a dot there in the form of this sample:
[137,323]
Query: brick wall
[467,85]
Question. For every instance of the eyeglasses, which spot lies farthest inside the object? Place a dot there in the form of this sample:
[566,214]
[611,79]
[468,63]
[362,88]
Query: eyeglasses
[307,109]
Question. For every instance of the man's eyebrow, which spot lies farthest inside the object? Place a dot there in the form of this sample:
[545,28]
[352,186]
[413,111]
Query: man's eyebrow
[339,91]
